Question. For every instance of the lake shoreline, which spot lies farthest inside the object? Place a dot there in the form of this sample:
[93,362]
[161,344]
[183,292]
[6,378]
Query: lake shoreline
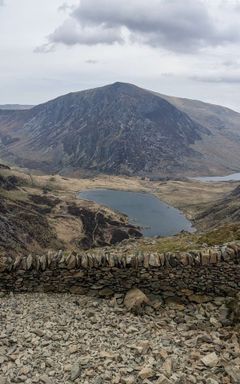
[143,209]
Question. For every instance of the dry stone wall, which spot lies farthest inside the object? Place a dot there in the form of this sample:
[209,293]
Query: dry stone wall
[213,270]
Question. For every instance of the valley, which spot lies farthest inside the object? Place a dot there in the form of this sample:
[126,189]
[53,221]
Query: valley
[58,217]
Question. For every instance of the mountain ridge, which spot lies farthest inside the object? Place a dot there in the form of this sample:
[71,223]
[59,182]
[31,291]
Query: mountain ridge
[15,107]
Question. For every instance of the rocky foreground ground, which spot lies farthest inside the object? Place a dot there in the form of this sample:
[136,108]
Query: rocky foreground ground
[61,338]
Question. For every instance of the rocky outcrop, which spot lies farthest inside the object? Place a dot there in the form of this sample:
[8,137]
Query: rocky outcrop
[100,229]
[9,182]
[3,166]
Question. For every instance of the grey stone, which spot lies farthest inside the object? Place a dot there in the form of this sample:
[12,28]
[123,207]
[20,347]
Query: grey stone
[210,360]
[75,371]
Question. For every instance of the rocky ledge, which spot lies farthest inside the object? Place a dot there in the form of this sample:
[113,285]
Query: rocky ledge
[56,339]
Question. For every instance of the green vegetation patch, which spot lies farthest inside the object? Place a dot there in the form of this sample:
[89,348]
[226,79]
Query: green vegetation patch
[186,241]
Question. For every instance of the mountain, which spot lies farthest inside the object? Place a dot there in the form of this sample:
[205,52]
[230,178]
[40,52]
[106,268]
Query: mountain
[121,128]
[15,106]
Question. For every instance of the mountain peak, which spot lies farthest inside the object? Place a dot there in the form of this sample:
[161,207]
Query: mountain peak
[118,85]
[121,128]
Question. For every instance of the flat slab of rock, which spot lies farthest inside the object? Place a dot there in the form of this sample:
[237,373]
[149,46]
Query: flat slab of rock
[146,373]
[210,360]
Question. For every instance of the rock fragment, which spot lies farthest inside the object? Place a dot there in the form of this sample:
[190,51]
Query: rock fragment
[210,360]
[146,373]
[75,371]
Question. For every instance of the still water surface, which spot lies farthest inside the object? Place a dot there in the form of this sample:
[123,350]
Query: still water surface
[143,209]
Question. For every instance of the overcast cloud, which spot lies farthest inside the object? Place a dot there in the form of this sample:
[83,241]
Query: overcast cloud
[187,48]
[183,26]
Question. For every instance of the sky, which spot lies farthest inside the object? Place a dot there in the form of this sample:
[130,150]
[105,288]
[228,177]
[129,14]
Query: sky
[185,48]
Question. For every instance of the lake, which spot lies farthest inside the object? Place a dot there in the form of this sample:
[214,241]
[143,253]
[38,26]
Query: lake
[143,209]
[233,177]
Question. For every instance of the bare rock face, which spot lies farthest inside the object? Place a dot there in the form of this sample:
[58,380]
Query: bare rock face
[135,300]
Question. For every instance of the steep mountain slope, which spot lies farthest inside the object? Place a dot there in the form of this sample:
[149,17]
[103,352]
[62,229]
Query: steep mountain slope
[222,146]
[119,128]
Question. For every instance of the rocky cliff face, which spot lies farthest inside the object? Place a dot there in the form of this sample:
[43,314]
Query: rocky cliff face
[116,129]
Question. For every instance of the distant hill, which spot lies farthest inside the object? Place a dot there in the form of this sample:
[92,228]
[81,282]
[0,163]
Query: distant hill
[225,210]
[121,128]
[221,148]
[15,107]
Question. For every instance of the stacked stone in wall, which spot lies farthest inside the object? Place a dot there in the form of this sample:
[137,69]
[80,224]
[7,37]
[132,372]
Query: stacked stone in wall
[213,270]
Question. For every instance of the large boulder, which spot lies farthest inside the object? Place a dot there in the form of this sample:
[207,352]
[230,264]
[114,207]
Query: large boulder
[135,300]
